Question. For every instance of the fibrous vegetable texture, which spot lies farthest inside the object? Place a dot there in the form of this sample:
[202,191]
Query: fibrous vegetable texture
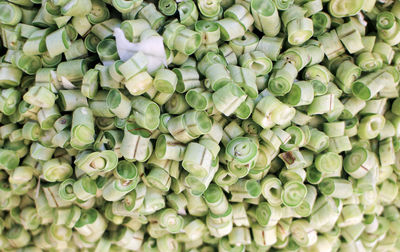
[199,126]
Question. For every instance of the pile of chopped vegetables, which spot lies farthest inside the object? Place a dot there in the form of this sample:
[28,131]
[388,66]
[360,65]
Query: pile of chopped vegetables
[199,126]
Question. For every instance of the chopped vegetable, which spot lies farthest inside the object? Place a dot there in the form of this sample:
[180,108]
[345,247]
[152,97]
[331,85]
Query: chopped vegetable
[200,125]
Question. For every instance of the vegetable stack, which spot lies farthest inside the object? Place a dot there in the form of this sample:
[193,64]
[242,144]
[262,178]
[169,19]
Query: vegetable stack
[206,125]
